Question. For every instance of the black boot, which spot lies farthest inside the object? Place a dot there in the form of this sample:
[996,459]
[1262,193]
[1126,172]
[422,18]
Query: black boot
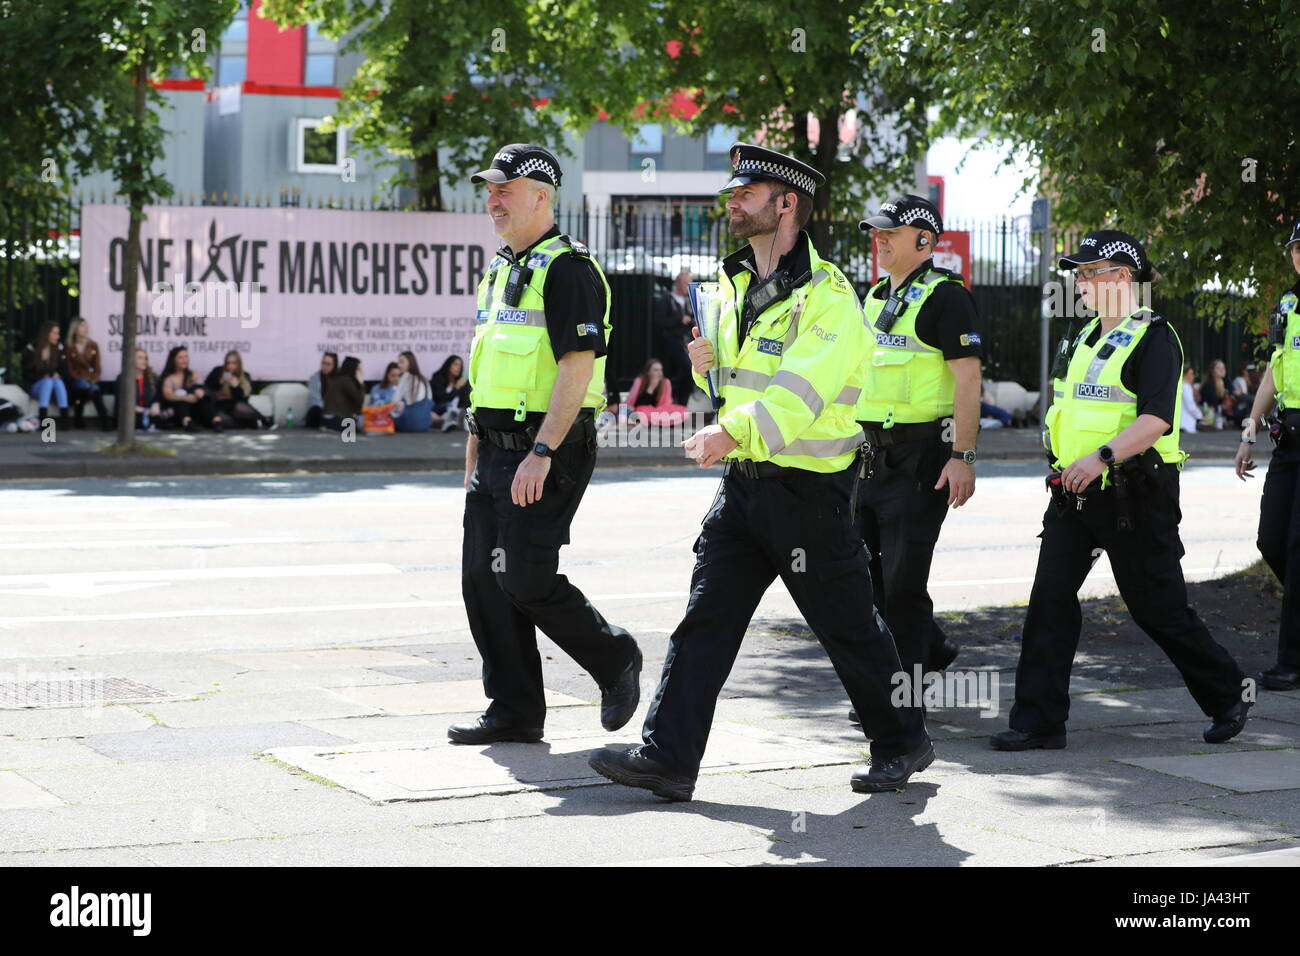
[79,416]
[41,414]
[105,423]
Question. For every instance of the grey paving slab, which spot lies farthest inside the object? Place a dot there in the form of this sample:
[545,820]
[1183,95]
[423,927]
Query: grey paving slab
[282,680]
[1075,789]
[1244,771]
[17,792]
[46,752]
[111,856]
[398,847]
[1260,732]
[124,824]
[323,809]
[697,860]
[412,771]
[1272,806]
[441,697]
[561,723]
[71,722]
[165,780]
[171,743]
[228,709]
[1282,857]
[626,833]
[1209,856]
[323,659]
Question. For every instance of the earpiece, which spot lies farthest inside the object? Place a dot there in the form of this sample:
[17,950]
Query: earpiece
[922,241]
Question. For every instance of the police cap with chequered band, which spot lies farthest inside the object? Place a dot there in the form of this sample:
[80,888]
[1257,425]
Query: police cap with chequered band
[520,160]
[754,164]
[905,210]
[1113,245]
[1295,235]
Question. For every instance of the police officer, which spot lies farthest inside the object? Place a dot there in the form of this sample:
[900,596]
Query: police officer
[919,411]
[1113,437]
[1279,513]
[536,368]
[789,360]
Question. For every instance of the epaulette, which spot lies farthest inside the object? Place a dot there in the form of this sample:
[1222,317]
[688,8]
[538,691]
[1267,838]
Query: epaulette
[579,248]
[936,270]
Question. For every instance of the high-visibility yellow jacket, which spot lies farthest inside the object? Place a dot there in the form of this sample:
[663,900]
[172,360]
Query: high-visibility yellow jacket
[789,388]
[511,363]
[1090,406]
[1285,361]
[907,381]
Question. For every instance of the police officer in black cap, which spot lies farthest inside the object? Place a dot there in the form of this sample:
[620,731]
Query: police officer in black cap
[1279,510]
[919,411]
[1112,439]
[536,371]
[789,353]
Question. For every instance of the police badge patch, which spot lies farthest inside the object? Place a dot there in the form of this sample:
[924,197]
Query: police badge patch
[1120,338]
[1288,302]
[770,346]
[914,294]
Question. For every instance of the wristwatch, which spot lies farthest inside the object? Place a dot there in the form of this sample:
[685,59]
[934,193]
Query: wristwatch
[966,456]
[1106,454]
[542,450]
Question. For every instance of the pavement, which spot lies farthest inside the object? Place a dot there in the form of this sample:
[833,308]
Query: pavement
[260,671]
[79,454]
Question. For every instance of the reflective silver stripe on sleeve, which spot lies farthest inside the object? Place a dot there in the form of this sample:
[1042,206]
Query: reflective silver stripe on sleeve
[798,385]
[849,395]
[743,377]
[821,275]
[768,429]
[823,447]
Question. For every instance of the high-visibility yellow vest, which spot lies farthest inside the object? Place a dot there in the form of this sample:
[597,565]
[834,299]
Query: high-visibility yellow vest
[1090,406]
[789,388]
[907,381]
[511,363]
[1286,356]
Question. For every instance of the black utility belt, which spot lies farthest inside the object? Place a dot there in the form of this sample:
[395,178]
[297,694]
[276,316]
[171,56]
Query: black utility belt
[883,437]
[523,440]
[766,469]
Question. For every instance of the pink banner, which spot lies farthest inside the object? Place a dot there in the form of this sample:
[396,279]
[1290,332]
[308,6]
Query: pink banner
[284,285]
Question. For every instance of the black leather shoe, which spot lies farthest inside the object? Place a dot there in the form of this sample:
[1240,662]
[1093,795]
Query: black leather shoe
[490,730]
[619,702]
[942,654]
[1227,726]
[893,774]
[1280,678]
[631,769]
[1017,740]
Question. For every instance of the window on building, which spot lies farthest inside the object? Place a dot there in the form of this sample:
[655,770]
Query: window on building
[318,65]
[313,150]
[717,146]
[231,69]
[649,139]
[237,32]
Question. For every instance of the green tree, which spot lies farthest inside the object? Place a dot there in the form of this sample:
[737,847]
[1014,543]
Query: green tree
[464,78]
[770,70]
[1167,120]
[84,102]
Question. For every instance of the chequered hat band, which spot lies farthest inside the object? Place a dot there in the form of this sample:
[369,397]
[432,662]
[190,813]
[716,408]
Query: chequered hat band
[797,178]
[1110,248]
[535,165]
[911,215]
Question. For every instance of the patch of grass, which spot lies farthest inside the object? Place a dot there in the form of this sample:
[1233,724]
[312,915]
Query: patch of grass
[138,448]
[1260,577]
[298,771]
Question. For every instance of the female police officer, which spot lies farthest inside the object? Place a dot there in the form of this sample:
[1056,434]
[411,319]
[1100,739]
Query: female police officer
[1114,450]
[1279,516]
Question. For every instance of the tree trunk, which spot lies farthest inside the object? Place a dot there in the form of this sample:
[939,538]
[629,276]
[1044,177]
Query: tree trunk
[823,160]
[131,273]
[427,174]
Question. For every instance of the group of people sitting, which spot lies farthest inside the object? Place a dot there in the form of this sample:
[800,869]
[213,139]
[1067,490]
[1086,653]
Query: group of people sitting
[65,376]
[178,398]
[402,400]
[1216,401]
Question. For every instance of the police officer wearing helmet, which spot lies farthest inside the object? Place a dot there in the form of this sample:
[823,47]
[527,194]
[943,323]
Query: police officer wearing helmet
[789,359]
[1279,511]
[536,368]
[919,410]
[1112,434]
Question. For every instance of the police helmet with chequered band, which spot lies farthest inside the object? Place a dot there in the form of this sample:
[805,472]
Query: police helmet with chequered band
[906,210]
[1295,235]
[754,164]
[519,160]
[1113,245]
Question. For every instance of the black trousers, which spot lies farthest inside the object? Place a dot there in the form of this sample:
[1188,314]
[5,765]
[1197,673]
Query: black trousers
[509,579]
[1279,543]
[899,517]
[796,527]
[1150,579]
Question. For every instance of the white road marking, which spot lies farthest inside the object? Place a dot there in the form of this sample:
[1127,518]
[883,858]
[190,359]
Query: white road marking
[56,527]
[95,583]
